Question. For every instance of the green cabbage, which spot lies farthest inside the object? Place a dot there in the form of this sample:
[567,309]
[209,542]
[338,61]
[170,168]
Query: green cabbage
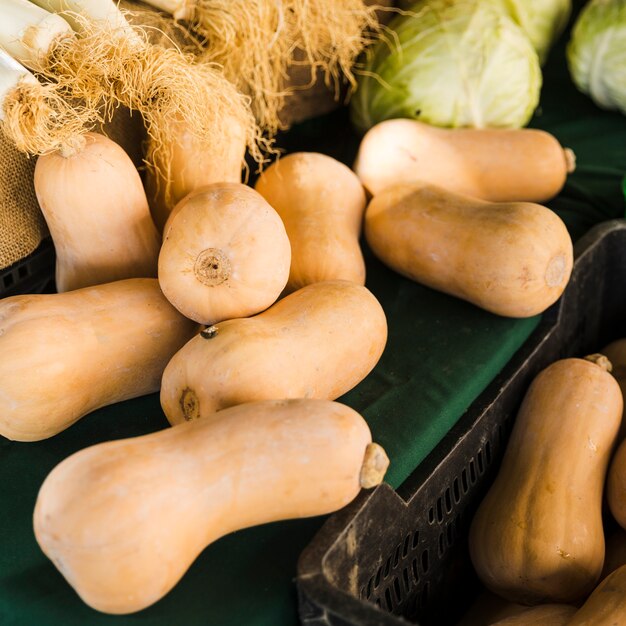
[596,53]
[452,63]
[542,20]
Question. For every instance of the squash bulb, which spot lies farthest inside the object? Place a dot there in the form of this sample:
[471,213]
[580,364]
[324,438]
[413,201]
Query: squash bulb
[225,254]
[95,206]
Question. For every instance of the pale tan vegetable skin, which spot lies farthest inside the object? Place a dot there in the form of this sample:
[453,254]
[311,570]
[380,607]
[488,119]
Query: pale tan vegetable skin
[321,202]
[225,254]
[193,166]
[616,353]
[65,355]
[318,342]
[124,520]
[512,259]
[544,615]
[537,536]
[499,165]
[96,209]
[606,606]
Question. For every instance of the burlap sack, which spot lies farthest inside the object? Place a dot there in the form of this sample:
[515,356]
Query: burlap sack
[22,226]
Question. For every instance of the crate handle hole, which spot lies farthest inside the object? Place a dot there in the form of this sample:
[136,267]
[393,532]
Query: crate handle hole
[415,571]
[439,510]
[456,491]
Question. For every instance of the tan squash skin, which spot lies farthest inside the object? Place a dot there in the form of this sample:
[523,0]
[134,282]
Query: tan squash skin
[65,355]
[318,342]
[512,259]
[225,254]
[492,164]
[124,520]
[616,353]
[537,536]
[544,615]
[98,215]
[616,485]
[193,167]
[606,606]
[321,202]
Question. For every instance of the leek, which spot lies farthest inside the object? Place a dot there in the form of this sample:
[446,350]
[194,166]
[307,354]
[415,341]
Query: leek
[103,12]
[112,63]
[35,116]
[28,33]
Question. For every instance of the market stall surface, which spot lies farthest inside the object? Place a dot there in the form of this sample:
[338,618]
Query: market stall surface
[440,355]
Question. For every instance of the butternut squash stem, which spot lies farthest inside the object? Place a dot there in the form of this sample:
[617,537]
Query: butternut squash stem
[209,332]
[601,361]
[375,464]
[72,147]
[570,160]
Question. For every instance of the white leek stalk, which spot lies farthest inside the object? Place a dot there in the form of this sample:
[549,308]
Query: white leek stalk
[178,9]
[28,32]
[103,12]
[12,75]
[34,116]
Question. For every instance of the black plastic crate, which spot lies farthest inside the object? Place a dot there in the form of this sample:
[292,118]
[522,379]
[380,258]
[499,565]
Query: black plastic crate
[32,274]
[391,558]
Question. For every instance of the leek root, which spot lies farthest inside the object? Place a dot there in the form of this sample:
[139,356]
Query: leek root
[256,41]
[112,63]
[35,116]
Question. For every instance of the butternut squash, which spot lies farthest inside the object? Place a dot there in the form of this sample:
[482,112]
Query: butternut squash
[96,209]
[606,606]
[512,259]
[124,520]
[65,355]
[225,254]
[322,203]
[616,353]
[616,485]
[499,165]
[544,615]
[318,342]
[193,166]
[537,537]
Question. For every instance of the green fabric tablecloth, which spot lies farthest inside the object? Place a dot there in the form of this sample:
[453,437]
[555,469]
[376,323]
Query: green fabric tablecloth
[441,354]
